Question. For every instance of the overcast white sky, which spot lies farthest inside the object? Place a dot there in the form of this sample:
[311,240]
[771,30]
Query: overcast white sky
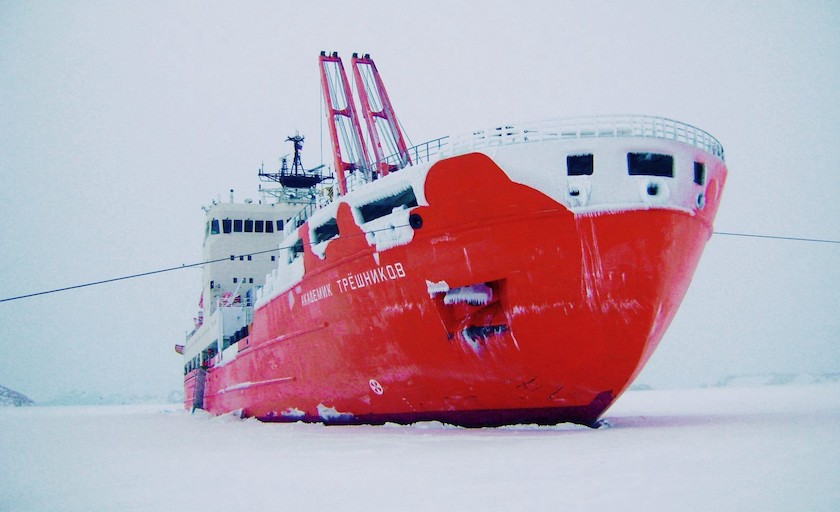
[119,120]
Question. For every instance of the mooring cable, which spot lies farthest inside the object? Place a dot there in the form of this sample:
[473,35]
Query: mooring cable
[774,237]
[229,258]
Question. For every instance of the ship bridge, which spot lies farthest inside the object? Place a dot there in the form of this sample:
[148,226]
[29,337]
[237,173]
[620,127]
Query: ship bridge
[241,243]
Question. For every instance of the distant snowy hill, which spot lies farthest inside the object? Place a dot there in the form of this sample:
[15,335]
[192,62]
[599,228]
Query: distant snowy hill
[82,397]
[76,397]
[748,380]
[9,397]
[777,379]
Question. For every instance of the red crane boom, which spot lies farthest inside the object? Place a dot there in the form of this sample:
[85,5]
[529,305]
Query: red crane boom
[349,148]
[381,121]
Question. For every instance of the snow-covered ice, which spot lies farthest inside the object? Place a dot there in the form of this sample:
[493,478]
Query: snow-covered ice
[770,448]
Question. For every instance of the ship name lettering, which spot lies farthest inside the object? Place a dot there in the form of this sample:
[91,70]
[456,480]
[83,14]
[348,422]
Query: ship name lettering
[371,277]
[316,294]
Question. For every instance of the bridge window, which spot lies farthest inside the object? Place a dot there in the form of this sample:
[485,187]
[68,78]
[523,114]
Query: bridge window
[650,164]
[237,225]
[227,225]
[699,173]
[249,226]
[326,231]
[579,165]
[402,199]
[269,226]
[279,225]
[259,226]
[214,227]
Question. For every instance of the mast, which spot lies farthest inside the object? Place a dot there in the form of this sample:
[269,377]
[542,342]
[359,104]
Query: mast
[296,182]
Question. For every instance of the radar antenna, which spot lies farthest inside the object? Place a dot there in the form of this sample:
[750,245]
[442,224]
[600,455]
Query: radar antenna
[295,177]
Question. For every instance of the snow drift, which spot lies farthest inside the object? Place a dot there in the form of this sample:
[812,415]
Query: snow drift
[768,448]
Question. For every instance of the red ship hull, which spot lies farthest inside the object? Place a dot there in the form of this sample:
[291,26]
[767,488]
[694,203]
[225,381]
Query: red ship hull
[569,309]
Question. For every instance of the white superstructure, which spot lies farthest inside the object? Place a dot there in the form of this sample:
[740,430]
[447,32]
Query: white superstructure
[241,242]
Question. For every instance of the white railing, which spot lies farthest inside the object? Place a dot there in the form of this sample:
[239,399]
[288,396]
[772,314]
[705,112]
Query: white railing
[586,127]
[612,126]
[297,221]
[424,152]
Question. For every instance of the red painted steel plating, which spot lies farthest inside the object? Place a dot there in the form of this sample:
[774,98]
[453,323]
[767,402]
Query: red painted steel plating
[576,305]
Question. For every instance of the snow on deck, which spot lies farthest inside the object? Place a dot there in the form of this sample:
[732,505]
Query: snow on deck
[585,127]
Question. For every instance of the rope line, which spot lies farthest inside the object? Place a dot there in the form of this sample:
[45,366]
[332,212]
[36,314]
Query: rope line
[132,276]
[773,237]
[233,257]
[171,269]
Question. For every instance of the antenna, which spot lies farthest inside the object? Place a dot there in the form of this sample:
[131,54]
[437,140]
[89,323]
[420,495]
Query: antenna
[295,181]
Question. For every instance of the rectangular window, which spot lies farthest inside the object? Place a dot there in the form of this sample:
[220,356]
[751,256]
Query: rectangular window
[237,226]
[296,250]
[259,226]
[214,227]
[249,226]
[326,231]
[227,225]
[269,226]
[279,225]
[386,205]
[699,173]
[579,165]
[235,280]
[650,164]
